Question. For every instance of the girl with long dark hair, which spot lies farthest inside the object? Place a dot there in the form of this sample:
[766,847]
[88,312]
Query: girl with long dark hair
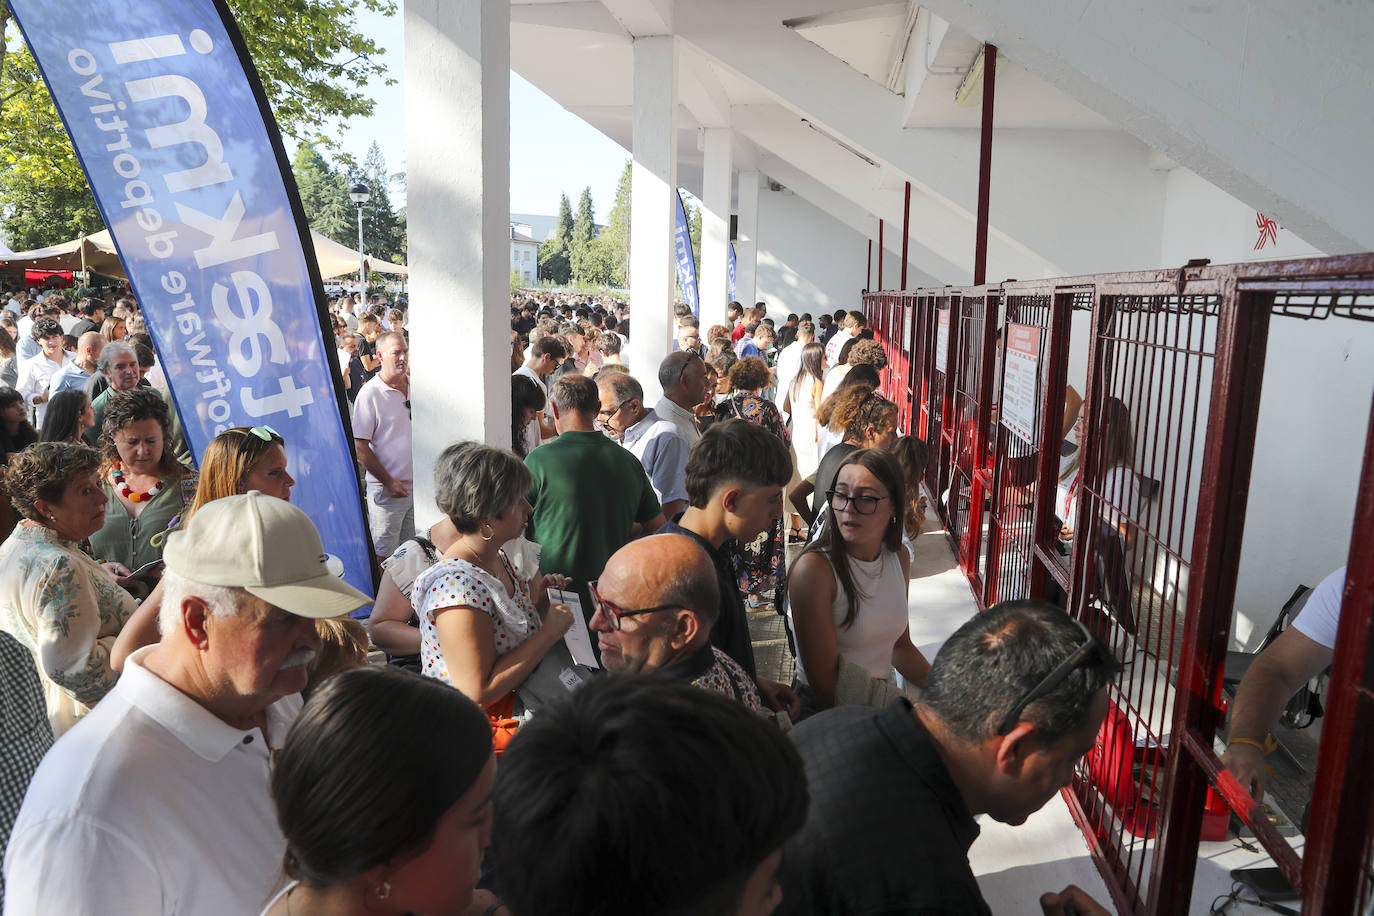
[848,590]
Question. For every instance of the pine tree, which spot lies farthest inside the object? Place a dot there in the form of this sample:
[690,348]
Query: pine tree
[583,235]
[324,196]
[554,265]
[382,229]
[616,236]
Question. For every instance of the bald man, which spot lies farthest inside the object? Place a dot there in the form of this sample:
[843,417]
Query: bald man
[83,364]
[655,604]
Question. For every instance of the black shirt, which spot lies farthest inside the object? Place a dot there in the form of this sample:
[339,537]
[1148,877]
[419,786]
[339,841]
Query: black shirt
[887,830]
[826,472]
[730,633]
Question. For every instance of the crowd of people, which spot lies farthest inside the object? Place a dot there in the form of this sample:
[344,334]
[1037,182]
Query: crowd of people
[224,746]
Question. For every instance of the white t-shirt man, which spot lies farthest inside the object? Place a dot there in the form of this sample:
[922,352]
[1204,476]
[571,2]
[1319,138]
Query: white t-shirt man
[1320,617]
[150,805]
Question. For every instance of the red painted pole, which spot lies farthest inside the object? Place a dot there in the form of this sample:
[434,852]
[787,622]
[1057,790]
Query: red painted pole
[906,229]
[868,277]
[880,254]
[980,243]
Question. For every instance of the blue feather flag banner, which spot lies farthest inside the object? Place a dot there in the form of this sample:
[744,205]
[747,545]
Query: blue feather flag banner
[181,151]
[686,260]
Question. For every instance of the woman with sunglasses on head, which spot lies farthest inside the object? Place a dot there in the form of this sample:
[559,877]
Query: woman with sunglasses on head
[239,459]
[848,591]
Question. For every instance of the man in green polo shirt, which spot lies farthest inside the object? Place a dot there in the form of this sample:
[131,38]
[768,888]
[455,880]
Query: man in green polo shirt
[590,494]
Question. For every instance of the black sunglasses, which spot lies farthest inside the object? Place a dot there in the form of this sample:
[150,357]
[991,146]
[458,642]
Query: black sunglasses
[1086,653]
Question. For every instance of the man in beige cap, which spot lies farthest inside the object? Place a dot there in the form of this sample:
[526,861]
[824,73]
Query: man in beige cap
[157,802]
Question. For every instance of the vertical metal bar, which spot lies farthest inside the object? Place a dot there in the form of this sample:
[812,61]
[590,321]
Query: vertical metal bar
[880,254]
[980,242]
[1336,859]
[1237,377]
[868,277]
[1051,435]
[906,229]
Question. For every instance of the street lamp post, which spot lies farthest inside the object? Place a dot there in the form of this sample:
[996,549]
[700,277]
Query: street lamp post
[361,195]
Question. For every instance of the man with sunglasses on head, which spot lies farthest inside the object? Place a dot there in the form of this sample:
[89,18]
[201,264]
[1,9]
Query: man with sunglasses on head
[1013,701]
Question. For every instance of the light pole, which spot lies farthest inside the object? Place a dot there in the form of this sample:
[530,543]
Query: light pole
[361,195]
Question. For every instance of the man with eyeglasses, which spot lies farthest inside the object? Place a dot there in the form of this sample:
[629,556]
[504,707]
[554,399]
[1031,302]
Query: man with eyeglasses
[1013,701]
[654,607]
[655,441]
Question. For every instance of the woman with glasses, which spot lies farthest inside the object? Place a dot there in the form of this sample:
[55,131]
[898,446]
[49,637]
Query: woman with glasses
[483,628]
[239,459]
[848,591]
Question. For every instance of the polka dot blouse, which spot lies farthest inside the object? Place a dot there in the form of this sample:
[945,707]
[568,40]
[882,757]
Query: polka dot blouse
[455,583]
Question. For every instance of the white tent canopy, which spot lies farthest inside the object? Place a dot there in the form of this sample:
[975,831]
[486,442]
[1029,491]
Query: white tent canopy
[97,252]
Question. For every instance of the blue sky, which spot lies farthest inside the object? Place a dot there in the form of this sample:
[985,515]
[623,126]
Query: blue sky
[553,152]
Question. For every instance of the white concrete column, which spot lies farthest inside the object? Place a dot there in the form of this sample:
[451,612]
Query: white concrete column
[457,81]
[653,208]
[715,225]
[746,241]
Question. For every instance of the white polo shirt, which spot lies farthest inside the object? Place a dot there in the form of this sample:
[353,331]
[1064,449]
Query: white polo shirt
[150,805]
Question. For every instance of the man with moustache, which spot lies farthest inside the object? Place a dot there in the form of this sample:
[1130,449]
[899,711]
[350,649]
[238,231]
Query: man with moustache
[157,802]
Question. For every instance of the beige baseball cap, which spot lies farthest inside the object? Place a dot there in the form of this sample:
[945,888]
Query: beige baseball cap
[265,546]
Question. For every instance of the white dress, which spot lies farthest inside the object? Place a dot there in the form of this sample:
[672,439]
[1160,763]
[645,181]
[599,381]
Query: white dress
[804,429]
[881,620]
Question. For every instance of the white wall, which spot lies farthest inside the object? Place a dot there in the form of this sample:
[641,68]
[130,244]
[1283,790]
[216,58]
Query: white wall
[807,260]
[1203,221]
[1308,449]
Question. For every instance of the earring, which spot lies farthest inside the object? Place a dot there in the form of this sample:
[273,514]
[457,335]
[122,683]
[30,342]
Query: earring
[382,890]
[484,535]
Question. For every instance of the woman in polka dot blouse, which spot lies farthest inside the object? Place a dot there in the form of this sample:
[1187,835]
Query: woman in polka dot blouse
[483,629]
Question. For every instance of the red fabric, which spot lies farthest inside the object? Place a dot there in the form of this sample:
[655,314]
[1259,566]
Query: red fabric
[503,726]
[738,332]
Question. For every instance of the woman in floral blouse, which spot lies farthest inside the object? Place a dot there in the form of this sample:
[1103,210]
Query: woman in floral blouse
[55,599]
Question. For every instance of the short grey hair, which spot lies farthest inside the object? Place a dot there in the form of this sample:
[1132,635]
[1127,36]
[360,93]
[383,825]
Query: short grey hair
[623,386]
[474,481]
[110,351]
[222,600]
[674,366]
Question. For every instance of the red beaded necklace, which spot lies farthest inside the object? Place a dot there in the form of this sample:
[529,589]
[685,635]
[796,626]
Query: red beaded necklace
[126,491]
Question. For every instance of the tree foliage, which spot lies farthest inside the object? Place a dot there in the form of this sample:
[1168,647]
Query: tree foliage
[580,255]
[554,263]
[313,61]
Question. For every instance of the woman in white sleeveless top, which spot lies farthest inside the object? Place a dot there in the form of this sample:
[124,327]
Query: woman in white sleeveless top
[848,590]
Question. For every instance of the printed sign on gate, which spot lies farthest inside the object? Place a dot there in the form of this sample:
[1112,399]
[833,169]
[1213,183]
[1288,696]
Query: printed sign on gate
[941,340]
[1021,385]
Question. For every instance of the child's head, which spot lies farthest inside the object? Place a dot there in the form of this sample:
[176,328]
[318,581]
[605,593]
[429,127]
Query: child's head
[343,645]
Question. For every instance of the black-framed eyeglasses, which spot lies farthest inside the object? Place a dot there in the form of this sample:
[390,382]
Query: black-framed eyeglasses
[1086,653]
[607,414]
[613,613]
[862,504]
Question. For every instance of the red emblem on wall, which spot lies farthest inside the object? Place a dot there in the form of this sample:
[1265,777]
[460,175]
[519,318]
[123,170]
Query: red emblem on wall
[1268,231]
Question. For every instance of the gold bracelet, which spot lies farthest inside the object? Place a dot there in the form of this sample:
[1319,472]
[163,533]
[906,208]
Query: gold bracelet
[1250,741]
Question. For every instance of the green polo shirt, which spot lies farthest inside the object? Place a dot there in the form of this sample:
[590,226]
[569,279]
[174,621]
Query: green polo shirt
[588,492]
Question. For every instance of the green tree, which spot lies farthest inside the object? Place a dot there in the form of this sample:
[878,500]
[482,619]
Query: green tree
[383,230]
[324,196]
[616,235]
[583,234]
[554,264]
[313,62]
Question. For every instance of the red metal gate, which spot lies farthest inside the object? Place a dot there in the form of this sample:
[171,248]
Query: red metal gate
[1156,502]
